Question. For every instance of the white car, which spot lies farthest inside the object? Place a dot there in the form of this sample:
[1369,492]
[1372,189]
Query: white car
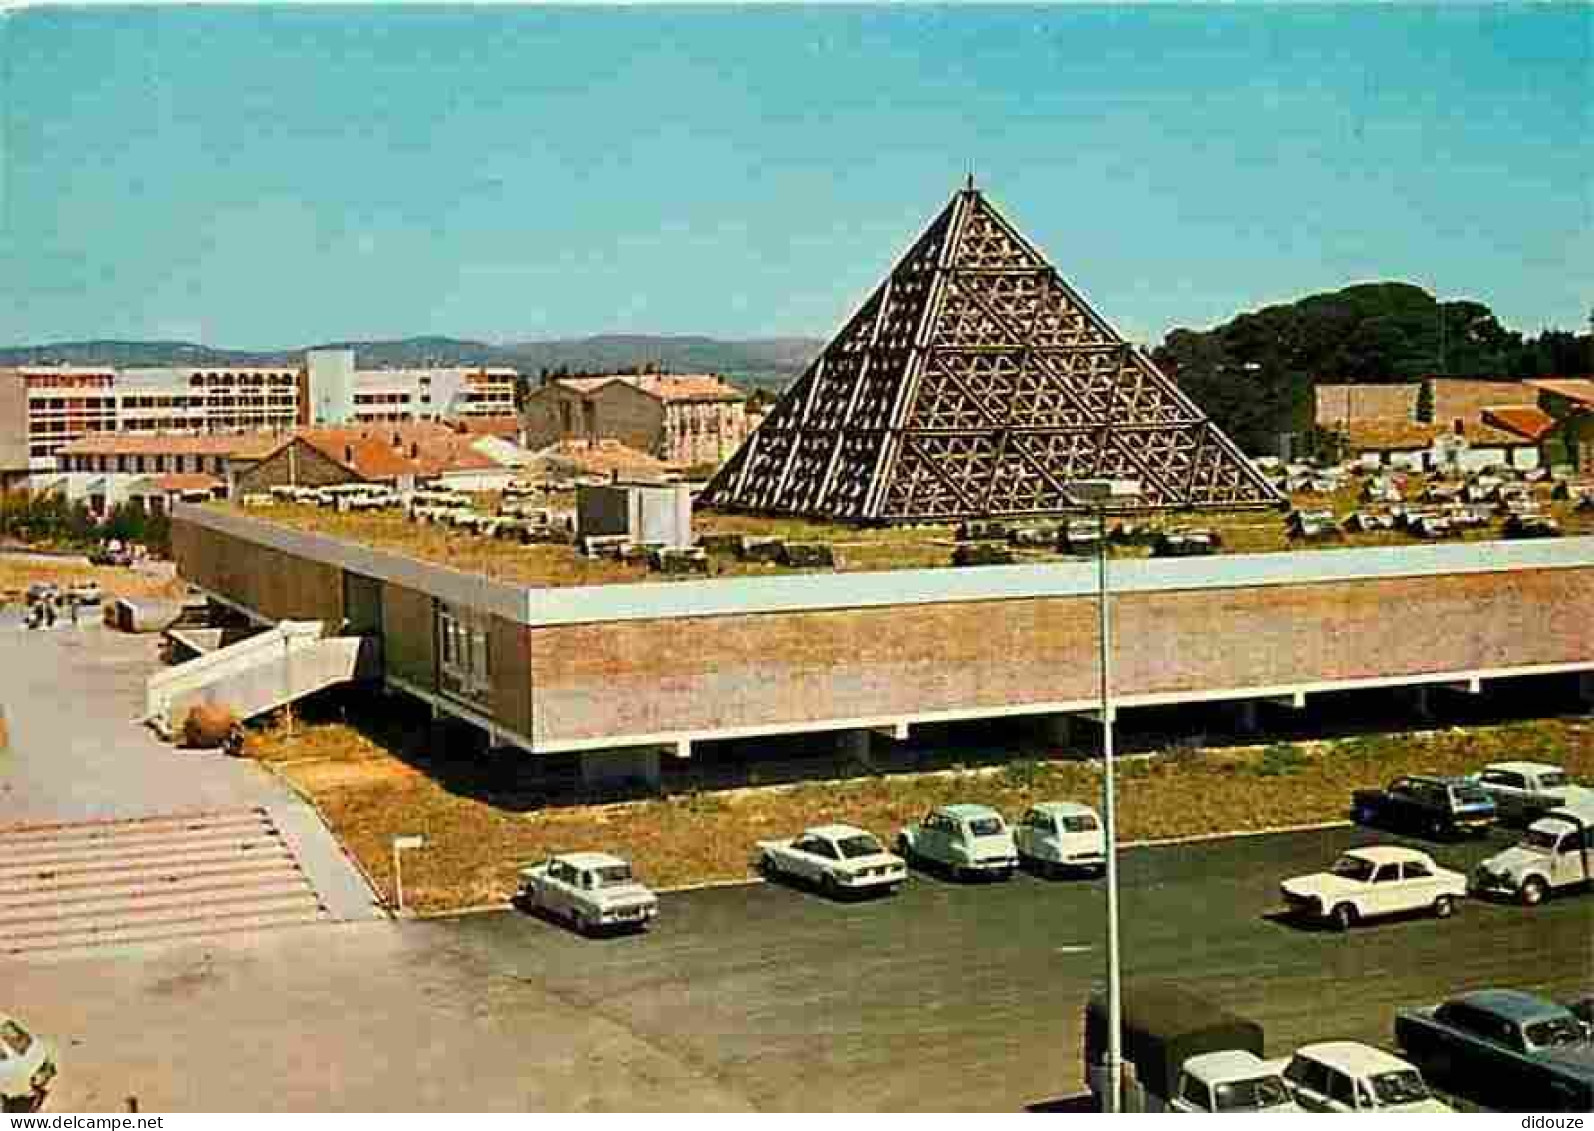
[27,1066]
[1232,1081]
[1366,883]
[1556,851]
[1054,836]
[1524,791]
[838,858]
[968,841]
[591,890]
[1345,1076]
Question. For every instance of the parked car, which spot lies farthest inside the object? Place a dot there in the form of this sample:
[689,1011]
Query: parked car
[1428,804]
[85,593]
[1509,1050]
[1346,1076]
[1556,852]
[42,591]
[1058,836]
[27,1067]
[590,890]
[1231,1082]
[838,858]
[1523,791]
[1365,883]
[966,840]
[1184,1048]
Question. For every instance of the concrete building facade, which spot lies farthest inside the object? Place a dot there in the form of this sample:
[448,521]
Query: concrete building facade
[667,665]
[682,419]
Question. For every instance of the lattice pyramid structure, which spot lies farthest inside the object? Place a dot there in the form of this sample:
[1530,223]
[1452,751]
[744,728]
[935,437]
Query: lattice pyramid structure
[976,383]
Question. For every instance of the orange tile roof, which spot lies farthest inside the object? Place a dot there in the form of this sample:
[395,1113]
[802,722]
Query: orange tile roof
[1408,435]
[1527,421]
[240,445]
[387,451]
[186,481]
[1577,389]
[583,457]
[664,386]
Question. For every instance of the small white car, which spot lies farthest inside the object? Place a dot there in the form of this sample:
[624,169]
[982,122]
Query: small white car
[590,890]
[1366,883]
[967,840]
[1524,791]
[1345,1076]
[27,1067]
[840,859]
[1556,851]
[1231,1082]
[1058,836]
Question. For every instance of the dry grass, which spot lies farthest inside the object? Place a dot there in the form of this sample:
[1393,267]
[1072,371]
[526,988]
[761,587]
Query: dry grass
[475,838]
[16,574]
[859,549]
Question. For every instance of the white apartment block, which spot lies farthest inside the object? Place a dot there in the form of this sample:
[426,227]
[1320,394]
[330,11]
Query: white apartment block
[43,408]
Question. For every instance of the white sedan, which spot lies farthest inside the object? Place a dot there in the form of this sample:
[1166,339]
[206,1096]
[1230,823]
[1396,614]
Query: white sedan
[591,890]
[1054,836]
[838,858]
[1365,883]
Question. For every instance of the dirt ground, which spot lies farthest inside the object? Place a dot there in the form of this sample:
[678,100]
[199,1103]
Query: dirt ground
[481,821]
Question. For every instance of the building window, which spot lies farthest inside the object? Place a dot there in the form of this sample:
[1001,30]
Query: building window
[463,666]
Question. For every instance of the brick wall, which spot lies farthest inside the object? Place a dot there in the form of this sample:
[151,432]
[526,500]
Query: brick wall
[648,677]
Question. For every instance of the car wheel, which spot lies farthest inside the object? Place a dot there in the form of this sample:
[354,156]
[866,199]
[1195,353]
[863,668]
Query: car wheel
[1343,917]
[1444,907]
[1533,891]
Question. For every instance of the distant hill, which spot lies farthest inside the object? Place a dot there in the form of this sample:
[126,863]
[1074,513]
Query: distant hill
[1255,373]
[760,362]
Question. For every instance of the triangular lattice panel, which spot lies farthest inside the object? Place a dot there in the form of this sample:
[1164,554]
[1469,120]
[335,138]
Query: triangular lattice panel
[975,382]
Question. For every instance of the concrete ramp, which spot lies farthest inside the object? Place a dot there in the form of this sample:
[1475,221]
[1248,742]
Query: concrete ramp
[260,674]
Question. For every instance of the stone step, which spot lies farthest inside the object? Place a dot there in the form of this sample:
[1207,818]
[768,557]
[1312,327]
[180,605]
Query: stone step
[175,861]
[61,887]
[111,826]
[69,944]
[49,855]
[91,926]
[20,907]
[131,838]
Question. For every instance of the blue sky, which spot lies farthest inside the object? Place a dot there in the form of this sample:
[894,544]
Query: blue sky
[272,176]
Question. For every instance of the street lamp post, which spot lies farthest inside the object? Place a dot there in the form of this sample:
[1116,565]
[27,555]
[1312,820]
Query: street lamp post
[1101,493]
[400,844]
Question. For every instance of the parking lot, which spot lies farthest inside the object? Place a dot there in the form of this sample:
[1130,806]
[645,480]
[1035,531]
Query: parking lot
[953,996]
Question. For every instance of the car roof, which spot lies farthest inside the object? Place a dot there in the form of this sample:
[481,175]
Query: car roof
[966,811]
[1353,1057]
[1512,1004]
[588,859]
[1388,854]
[1229,1064]
[835,832]
[1437,779]
[1062,808]
[1526,767]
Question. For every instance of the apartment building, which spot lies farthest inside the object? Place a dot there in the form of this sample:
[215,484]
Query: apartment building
[684,419]
[43,409]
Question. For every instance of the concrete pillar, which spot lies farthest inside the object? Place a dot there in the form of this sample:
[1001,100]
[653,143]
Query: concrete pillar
[1245,717]
[616,767]
[1418,700]
[853,746]
[1585,689]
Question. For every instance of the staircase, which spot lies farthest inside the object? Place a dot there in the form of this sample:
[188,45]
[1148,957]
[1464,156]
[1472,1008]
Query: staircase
[259,674]
[66,888]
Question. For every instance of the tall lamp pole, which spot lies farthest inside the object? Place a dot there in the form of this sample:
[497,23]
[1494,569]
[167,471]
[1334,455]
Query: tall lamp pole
[1101,493]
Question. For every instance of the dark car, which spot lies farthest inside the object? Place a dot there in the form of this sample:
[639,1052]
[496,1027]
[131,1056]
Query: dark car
[1510,1050]
[1429,804]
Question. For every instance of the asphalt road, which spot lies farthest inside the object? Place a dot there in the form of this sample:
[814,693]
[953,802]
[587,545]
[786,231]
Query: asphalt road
[952,996]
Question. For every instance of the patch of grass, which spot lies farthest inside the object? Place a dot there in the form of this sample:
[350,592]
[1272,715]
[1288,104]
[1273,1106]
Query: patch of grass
[1280,760]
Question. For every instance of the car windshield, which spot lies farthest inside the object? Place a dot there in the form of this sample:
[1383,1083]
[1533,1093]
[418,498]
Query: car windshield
[1556,1032]
[1552,781]
[1353,868]
[863,844]
[1541,838]
[613,875]
[1081,824]
[1245,1095]
[986,826]
[1402,1086]
[15,1037]
[1470,794]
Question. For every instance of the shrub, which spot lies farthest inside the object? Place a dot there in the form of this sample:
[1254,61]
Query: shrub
[1280,760]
